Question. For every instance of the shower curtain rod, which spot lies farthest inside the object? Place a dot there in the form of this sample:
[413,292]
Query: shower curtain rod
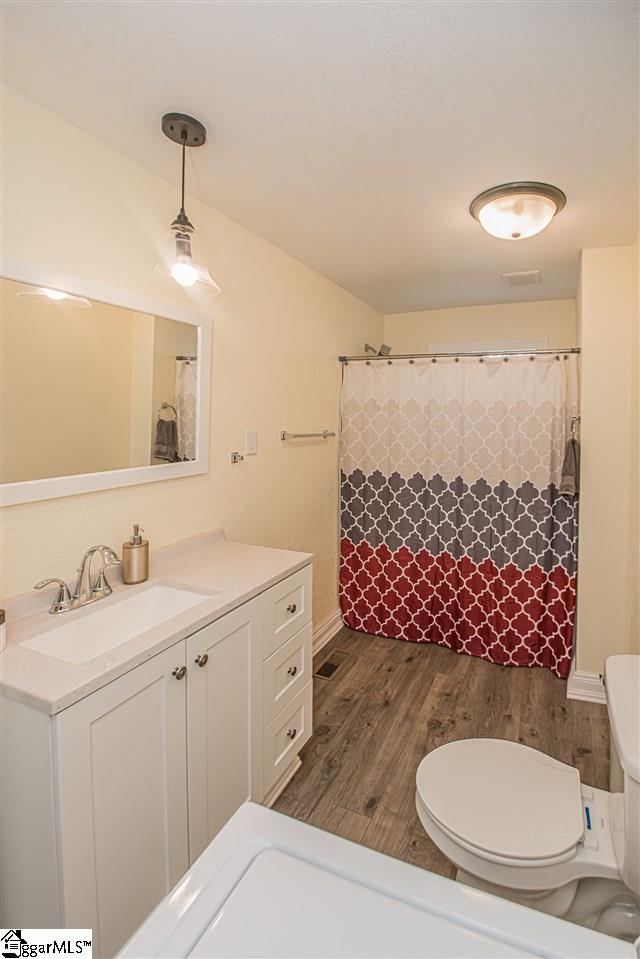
[420,356]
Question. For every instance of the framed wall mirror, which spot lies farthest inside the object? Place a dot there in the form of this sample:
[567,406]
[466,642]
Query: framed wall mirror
[98,391]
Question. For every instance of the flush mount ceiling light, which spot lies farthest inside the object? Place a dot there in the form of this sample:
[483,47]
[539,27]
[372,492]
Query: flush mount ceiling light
[515,211]
[187,132]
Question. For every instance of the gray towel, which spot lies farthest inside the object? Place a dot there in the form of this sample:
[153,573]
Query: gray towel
[570,478]
[166,444]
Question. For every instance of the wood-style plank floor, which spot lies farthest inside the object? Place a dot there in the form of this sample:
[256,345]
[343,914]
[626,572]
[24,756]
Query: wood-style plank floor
[390,702]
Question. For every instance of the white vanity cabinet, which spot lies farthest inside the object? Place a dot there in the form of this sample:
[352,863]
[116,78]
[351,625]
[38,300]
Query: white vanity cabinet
[106,803]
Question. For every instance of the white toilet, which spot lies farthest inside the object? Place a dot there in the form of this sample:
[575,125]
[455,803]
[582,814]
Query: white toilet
[521,825]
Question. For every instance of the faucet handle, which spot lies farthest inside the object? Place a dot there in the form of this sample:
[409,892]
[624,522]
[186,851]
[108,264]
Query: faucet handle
[62,600]
[101,583]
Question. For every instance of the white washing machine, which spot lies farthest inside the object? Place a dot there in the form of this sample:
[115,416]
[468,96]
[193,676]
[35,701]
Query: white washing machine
[269,885]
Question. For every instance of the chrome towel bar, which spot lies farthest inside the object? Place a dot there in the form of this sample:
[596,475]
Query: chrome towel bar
[324,434]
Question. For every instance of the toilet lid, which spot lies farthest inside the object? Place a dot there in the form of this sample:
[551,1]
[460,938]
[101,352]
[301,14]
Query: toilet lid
[503,798]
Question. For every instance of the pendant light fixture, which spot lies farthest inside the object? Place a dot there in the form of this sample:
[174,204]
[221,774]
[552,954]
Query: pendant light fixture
[187,132]
[515,211]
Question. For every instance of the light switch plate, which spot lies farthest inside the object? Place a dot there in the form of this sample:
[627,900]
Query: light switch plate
[250,442]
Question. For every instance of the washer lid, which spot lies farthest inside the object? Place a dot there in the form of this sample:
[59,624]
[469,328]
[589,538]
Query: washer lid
[503,798]
[268,885]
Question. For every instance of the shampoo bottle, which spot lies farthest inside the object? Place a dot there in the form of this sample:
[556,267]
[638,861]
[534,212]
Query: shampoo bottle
[135,558]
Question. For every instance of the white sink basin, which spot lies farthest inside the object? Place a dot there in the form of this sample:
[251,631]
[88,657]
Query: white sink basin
[77,640]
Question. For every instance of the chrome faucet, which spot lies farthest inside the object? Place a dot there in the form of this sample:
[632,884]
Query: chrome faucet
[86,590]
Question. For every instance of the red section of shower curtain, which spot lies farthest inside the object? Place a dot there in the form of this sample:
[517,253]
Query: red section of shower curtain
[507,616]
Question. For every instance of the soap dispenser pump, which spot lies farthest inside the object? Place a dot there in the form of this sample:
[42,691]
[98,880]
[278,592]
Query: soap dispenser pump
[135,558]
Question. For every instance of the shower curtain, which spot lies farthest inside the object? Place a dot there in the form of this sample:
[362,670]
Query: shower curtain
[452,527]
[186,389]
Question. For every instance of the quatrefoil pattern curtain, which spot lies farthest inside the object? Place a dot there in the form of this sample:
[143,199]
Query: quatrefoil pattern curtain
[452,527]
[186,396]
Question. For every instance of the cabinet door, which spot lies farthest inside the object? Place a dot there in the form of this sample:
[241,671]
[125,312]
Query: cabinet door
[122,799]
[224,712]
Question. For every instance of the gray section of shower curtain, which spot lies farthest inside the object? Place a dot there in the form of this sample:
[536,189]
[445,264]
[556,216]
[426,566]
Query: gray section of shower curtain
[570,479]
[523,526]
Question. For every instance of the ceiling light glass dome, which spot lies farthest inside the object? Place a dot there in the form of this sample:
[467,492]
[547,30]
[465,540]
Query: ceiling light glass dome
[515,211]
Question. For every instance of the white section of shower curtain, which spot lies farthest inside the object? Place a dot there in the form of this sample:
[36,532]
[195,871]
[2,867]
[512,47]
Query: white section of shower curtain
[468,417]
[186,392]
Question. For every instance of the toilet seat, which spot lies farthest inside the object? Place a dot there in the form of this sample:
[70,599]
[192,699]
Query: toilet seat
[503,801]
[522,826]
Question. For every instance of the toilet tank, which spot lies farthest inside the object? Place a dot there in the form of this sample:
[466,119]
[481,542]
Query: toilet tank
[622,682]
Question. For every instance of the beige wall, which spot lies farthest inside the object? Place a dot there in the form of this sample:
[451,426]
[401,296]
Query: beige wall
[633,645]
[608,561]
[553,320]
[73,205]
[66,377]
[142,339]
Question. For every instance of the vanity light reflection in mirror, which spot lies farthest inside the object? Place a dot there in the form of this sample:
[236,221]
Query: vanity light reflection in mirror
[88,387]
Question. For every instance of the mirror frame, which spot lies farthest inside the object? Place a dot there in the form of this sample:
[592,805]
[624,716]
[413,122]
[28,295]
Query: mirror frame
[30,491]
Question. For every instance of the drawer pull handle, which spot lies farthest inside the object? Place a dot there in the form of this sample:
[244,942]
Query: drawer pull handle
[179,672]
[292,670]
[291,733]
[203,659]
[291,608]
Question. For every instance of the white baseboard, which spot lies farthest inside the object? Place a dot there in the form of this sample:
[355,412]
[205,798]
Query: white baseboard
[326,630]
[282,783]
[586,686]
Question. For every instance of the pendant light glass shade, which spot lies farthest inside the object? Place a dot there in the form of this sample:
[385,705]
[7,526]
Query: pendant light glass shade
[184,272]
[176,266]
[515,211]
[187,273]
[183,269]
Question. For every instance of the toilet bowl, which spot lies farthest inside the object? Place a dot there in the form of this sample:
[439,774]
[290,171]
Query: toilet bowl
[521,825]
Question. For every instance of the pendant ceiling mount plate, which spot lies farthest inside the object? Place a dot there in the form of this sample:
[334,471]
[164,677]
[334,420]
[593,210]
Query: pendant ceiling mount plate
[181,128]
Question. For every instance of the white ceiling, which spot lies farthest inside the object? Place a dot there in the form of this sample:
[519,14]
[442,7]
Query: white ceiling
[355,134]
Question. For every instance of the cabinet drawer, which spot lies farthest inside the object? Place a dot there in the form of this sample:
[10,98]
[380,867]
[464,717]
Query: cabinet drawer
[287,608]
[286,672]
[285,736]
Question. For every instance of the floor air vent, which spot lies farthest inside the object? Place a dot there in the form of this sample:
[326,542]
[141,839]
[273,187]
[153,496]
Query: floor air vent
[327,670]
[335,659]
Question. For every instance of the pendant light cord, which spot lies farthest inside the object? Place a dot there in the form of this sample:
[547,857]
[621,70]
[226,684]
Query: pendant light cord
[184,150]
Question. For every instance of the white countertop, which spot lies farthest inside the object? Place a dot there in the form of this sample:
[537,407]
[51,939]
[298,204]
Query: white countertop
[232,573]
[270,886]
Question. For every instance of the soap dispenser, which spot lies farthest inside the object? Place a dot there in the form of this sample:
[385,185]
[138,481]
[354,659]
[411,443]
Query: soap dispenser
[135,558]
